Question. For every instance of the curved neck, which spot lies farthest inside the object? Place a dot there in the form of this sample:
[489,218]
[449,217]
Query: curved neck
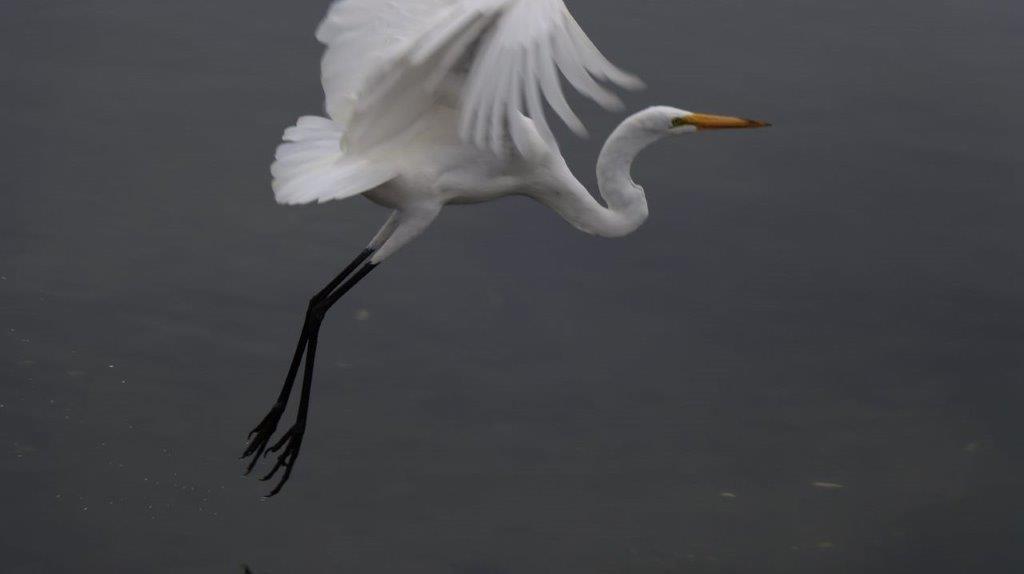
[626,204]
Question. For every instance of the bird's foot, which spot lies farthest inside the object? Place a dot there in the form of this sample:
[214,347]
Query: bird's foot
[288,446]
[260,436]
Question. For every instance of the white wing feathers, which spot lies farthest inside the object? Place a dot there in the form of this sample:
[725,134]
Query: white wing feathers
[530,42]
[513,49]
[361,36]
[389,63]
[310,165]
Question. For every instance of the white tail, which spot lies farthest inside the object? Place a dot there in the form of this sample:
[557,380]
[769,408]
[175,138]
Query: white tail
[311,166]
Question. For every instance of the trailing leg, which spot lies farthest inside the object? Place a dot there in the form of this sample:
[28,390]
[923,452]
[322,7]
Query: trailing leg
[403,226]
[260,436]
[291,442]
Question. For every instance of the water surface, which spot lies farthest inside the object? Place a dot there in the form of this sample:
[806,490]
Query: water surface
[837,300]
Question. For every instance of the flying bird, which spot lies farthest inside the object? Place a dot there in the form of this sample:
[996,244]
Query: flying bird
[441,102]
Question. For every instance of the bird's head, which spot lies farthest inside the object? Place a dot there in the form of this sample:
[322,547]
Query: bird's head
[665,120]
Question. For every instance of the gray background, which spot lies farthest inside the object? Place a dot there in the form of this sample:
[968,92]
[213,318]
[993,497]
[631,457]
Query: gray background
[836,299]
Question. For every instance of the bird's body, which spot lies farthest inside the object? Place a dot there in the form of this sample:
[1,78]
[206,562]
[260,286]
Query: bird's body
[440,169]
[440,102]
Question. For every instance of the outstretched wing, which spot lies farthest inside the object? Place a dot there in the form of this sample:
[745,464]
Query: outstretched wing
[362,36]
[389,62]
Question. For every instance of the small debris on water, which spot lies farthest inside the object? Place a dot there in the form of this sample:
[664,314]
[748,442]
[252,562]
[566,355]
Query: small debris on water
[827,485]
[972,446]
[825,545]
[362,315]
[727,495]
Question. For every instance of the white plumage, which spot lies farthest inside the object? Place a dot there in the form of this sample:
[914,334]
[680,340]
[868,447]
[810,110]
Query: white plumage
[388,64]
[440,102]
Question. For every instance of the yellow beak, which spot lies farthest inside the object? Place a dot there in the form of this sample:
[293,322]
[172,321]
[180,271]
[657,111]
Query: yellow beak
[710,122]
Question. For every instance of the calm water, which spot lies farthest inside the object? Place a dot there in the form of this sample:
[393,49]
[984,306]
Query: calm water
[837,300]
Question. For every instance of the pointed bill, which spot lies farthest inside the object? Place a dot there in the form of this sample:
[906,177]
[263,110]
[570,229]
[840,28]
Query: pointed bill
[710,122]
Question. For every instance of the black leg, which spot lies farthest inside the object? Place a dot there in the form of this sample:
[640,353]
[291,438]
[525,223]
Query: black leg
[291,442]
[293,438]
[260,436]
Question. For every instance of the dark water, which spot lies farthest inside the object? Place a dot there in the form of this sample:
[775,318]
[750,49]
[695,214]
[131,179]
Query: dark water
[836,300]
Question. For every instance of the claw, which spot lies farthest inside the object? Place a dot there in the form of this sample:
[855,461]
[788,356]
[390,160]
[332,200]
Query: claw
[252,447]
[255,459]
[289,446]
[280,462]
[277,446]
[280,485]
[261,435]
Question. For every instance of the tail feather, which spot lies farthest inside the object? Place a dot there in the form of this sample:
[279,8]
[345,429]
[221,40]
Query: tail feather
[311,166]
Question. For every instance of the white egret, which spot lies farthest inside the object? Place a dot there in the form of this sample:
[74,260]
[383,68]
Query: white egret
[439,102]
